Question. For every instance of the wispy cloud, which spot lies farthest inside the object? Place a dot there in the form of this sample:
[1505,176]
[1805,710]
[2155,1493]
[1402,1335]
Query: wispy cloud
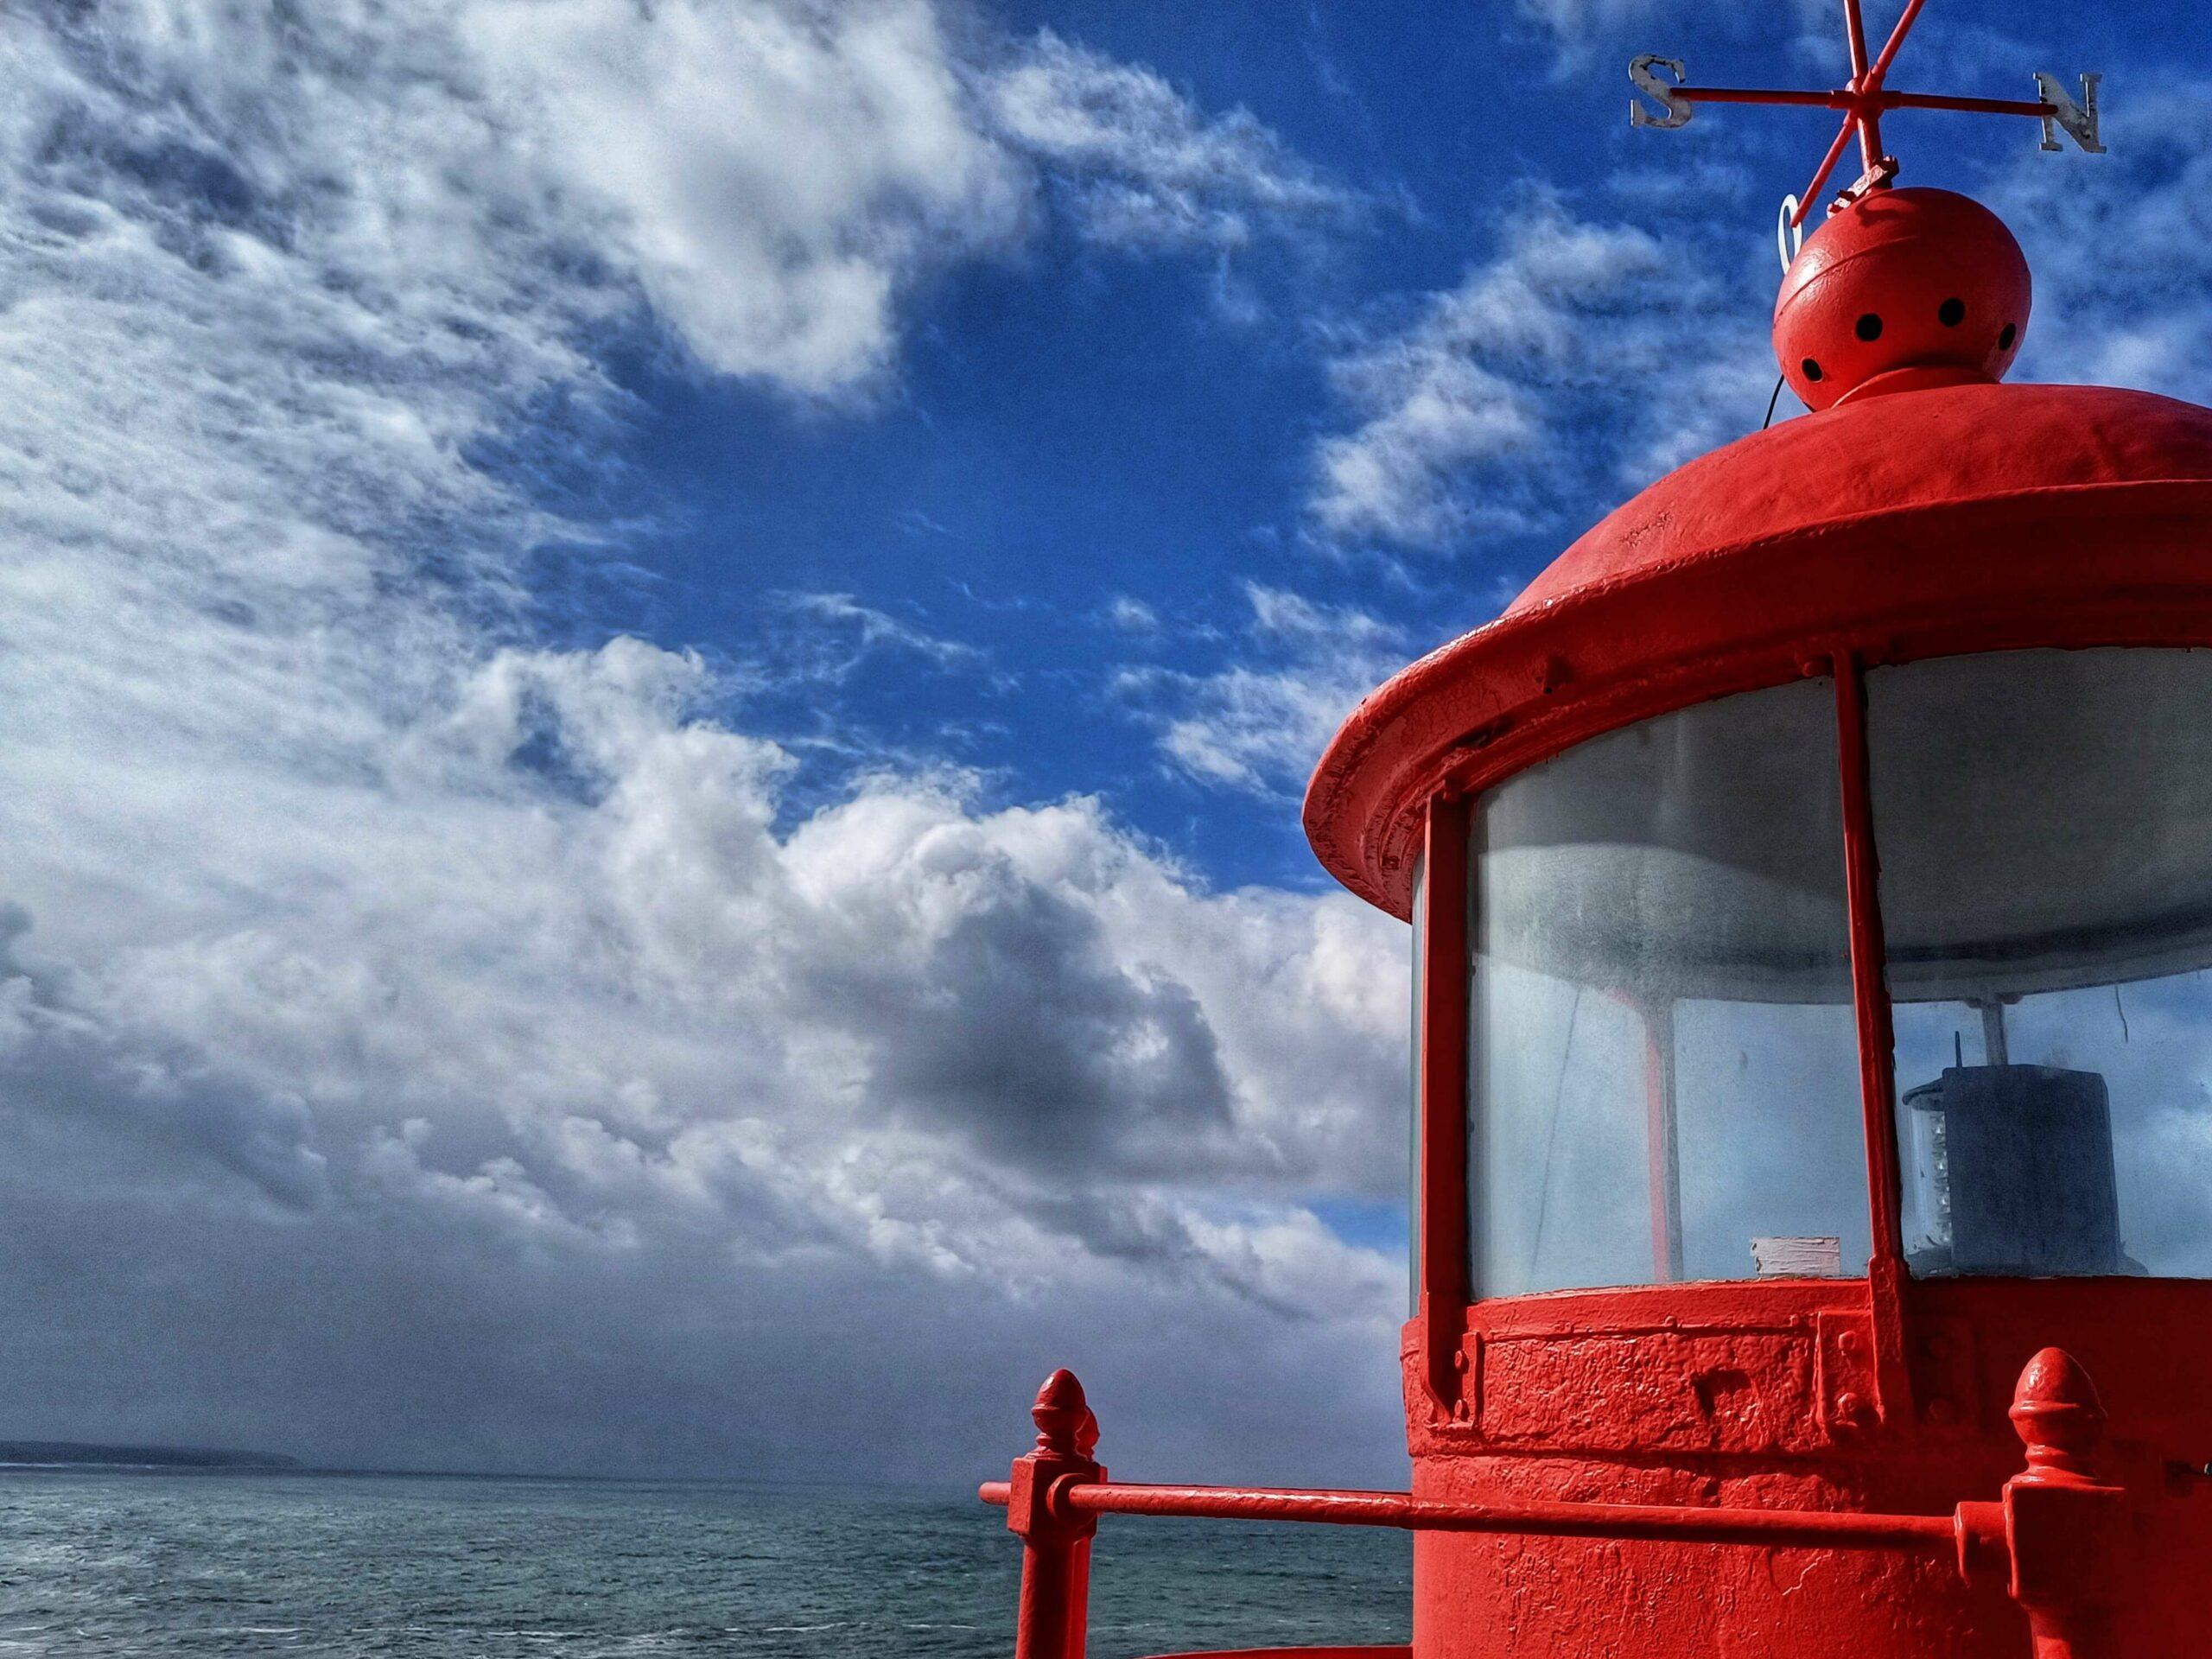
[1260,724]
[1130,615]
[2121,246]
[850,631]
[1141,166]
[1581,30]
[1525,391]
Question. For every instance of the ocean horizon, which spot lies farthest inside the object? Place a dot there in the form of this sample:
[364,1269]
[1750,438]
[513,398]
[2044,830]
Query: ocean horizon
[136,1564]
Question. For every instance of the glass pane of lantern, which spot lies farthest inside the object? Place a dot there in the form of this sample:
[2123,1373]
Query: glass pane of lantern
[2046,827]
[1666,1075]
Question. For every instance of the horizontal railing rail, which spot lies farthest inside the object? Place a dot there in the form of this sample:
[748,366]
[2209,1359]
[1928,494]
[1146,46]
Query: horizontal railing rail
[1072,1495]
[2061,1575]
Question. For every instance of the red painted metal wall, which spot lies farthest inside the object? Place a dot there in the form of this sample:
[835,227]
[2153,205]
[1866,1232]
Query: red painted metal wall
[1726,1395]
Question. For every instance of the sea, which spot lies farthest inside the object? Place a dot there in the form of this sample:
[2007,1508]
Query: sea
[125,1564]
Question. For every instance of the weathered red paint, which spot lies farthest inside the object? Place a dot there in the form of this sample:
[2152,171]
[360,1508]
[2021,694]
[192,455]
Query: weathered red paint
[1931,1533]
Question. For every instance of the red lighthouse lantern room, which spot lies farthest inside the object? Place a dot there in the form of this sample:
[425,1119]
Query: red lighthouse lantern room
[1810,877]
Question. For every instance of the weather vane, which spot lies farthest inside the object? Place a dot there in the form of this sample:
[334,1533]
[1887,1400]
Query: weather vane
[1863,100]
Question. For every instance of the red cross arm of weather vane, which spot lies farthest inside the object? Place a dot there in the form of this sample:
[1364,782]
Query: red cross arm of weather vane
[1863,100]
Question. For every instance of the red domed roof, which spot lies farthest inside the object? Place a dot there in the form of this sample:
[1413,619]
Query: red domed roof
[2003,514]
[1897,453]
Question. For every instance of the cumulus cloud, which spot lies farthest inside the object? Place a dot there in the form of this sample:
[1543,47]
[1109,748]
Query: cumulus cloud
[773,174]
[419,1043]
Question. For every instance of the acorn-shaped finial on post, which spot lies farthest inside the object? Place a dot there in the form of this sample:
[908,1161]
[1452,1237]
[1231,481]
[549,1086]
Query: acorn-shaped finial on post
[2059,1419]
[1059,1414]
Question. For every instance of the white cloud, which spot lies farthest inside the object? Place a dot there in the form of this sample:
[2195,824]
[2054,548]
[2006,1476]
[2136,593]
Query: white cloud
[1578,22]
[770,177]
[418,1043]
[1568,367]
[1579,29]
[1131,615]
[1260,724]
[1143,167]
[775,172]
[845,631]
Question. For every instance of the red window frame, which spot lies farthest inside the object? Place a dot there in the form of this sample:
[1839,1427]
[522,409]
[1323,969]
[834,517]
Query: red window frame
[1440,1239]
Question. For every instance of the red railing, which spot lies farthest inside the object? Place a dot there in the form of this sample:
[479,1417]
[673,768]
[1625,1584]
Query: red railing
[2050,1534]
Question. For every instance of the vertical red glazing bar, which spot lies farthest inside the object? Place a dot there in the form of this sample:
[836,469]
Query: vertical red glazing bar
[1444,969]
[1663,1149]
[1886,1274]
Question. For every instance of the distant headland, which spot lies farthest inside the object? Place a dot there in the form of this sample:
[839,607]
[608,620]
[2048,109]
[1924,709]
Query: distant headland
[81,1454]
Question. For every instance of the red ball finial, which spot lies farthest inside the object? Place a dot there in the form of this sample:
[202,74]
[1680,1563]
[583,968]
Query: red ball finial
[1924,282]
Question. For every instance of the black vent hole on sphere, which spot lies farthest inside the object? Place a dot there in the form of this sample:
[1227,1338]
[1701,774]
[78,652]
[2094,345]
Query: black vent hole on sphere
[2006,335]
[1811,369]
[1951,313]
[1869,326]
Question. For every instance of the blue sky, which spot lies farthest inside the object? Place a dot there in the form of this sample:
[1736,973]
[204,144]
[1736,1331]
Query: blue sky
[1086,425]
[661,659]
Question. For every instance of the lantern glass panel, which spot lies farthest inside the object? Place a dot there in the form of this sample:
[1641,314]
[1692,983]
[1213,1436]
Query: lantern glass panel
[2045,821]
[1664,1061]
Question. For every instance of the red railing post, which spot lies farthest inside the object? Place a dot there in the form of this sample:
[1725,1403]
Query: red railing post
[1054,1614]
[2058,1530]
